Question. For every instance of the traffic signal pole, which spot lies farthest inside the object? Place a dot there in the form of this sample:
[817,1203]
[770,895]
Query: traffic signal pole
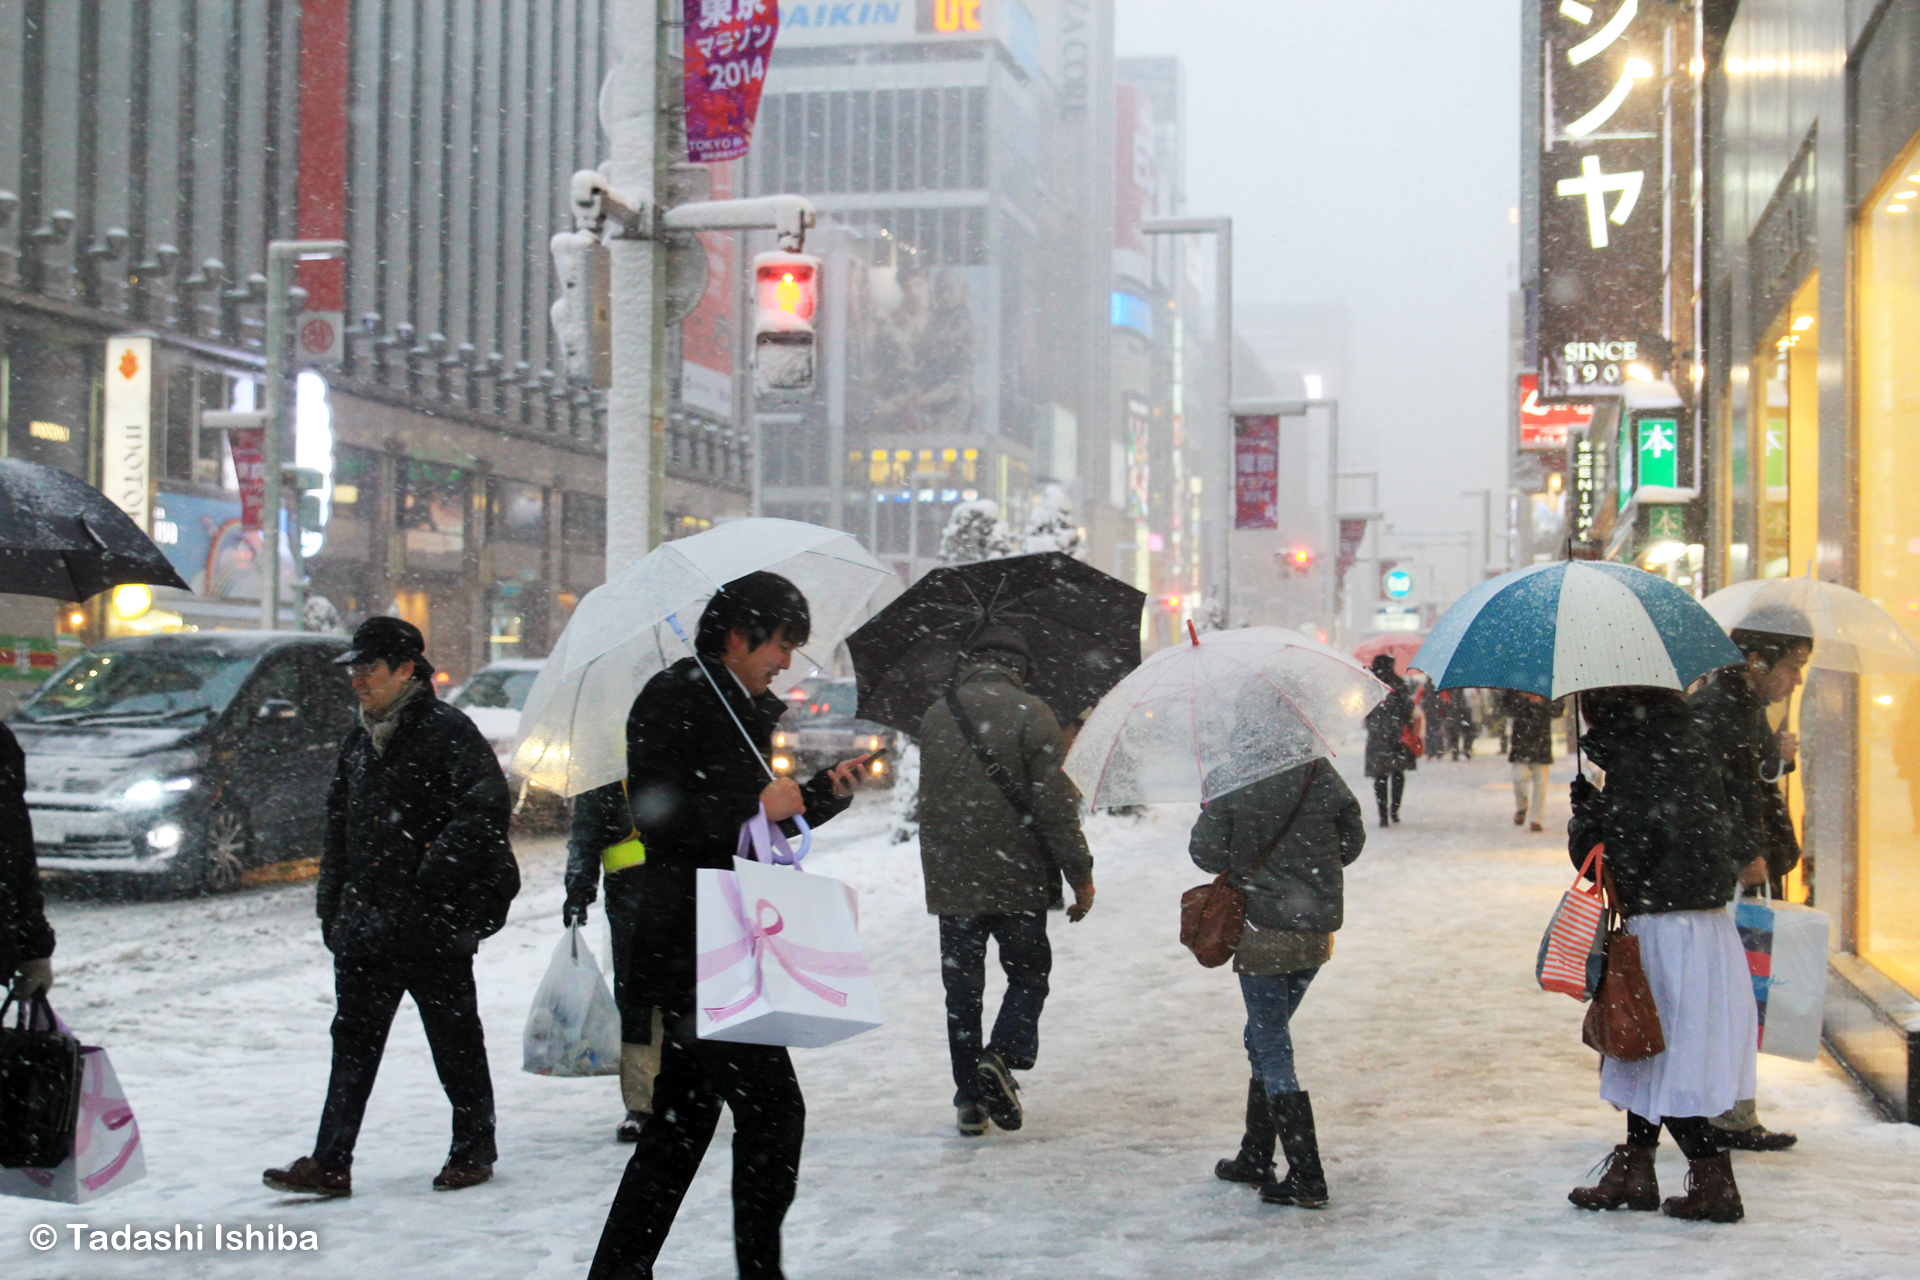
[631,203]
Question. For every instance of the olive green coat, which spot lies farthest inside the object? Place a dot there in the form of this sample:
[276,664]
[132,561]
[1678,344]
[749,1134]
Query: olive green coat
[979,855]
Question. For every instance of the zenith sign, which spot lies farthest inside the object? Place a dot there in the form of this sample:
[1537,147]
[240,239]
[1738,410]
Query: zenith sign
[1594,185]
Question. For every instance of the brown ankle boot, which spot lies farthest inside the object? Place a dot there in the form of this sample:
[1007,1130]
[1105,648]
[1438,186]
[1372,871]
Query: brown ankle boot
[1626,1182]
[1711,1193]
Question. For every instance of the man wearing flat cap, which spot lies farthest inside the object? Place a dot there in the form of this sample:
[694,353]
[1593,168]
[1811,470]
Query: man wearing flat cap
[417,869]
[999,823]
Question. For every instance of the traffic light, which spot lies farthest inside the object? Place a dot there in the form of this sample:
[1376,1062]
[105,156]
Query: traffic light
[786,289]
[1298,561]
[1171,603]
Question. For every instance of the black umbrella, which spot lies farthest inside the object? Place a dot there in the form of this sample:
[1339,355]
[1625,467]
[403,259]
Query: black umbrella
[61,537]
[1082,625]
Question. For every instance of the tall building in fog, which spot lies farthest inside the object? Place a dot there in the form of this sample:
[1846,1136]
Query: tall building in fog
[956,155]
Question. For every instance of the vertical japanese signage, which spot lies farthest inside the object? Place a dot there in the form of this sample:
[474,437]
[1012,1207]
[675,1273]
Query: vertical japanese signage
[728,43]
[1602,208]
[1586,508]
[126,460]
[1135,179]
[1256,471]
[326,47]
[1659,462]
[707,336]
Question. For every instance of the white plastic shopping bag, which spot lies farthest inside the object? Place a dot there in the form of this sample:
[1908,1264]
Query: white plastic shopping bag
[780,959]
[106,1143]
[573,1028]
[1797,985]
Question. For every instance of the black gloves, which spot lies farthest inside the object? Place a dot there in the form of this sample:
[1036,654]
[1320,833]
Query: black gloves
[1582,792]
[575,912]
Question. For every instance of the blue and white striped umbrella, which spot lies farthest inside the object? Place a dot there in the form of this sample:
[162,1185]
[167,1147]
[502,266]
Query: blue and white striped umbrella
[1555,629]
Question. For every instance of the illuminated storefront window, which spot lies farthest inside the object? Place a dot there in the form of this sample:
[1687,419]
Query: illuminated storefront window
[1887,410]
[1785,441]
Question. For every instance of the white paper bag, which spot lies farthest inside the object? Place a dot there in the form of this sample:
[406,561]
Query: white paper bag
[573,1028]
[106,1144]
[1797,984]
[780,960]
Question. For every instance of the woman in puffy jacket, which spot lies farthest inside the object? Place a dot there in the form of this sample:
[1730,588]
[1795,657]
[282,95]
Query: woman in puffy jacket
[1286,838]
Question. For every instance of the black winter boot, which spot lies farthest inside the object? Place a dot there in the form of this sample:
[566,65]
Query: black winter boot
[1254,1164]
[1306,1182]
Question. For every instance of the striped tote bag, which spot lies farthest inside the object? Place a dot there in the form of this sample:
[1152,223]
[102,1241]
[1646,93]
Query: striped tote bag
[1573,952]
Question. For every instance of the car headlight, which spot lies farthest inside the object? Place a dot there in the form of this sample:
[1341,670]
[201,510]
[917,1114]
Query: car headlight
[151,791]
[781,740]
[873,742]
[877,768]
[781,764]
[164,837]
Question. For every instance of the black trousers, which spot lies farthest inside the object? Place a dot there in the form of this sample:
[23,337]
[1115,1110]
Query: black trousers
[1027,959]
[622,898]
[1694,1135]
[367,990]
[769,1125]
[1386,793]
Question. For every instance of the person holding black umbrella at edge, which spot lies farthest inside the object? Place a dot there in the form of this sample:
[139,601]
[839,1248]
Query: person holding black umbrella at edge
[698,739]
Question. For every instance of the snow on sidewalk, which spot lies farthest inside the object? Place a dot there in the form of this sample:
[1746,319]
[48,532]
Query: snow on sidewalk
[1456,1105]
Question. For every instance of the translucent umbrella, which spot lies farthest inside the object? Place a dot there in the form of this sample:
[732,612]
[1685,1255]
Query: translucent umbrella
[1850,632]
[573,730]
[1200,719]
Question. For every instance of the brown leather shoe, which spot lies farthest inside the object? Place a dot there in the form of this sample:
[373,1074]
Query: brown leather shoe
[1758,1138]
[458,1175]
[1711,1195]
[305,1177]
[1626,1182]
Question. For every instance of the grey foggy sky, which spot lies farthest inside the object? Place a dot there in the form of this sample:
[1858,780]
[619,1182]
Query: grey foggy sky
[1367,151]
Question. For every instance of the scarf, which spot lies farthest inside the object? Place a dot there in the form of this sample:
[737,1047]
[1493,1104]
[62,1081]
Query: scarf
[381,724]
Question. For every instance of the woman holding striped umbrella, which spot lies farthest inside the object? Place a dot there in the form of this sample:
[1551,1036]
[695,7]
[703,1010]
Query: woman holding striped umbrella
[1627,643]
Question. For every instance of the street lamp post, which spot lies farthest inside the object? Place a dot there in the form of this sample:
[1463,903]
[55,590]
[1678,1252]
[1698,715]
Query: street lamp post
[1221,229]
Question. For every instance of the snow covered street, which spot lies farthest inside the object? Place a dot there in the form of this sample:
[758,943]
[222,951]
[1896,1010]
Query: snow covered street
[1456,1104]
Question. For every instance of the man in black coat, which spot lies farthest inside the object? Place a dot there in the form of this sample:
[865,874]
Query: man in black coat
[601,838]
[417,869]
[26,939]
[1730,710]
[697,743]
[1530,720]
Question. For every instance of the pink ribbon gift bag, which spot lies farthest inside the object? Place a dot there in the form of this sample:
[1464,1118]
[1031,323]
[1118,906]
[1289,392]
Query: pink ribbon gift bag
[780,960]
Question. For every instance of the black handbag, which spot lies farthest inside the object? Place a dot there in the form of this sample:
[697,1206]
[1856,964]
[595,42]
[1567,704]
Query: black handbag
[40,1073]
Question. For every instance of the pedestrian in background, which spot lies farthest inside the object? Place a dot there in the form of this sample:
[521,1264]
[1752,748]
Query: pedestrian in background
[1287,838]
[989,849]
[698,740]
[1667,828]
[1460,729]
[1389,756]
[26,939]
[602,837]
[416,870]
[1730,710]
[1530,720]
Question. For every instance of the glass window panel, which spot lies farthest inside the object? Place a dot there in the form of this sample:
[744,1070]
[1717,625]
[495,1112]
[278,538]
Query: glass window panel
[860,142]
[883,140]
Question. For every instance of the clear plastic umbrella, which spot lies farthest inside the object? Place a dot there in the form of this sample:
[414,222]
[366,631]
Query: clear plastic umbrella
[573,730]
[1200,719]
[1850,632]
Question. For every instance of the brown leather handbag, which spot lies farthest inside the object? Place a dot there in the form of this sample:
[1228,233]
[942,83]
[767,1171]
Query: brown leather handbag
[1213,916]
[1623,1023]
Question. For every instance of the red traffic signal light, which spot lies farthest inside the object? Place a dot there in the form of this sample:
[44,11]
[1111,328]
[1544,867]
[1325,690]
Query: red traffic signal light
[786,285]
[1298,560]
[1171,603]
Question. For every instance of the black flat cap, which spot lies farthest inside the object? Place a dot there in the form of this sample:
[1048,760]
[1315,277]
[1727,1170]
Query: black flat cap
[389,640]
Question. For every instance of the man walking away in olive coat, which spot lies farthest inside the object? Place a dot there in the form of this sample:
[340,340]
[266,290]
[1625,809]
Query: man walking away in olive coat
[417,869]
[1730,710]
[989,864]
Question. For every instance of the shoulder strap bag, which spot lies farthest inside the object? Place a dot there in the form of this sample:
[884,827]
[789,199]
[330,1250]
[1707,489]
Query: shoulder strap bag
[1213,916]
[1002,777]
[1623,1023]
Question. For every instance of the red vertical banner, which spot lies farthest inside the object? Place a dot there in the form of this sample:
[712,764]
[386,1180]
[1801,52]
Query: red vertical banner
[326,35]
[728,43]
[707,336]
[249,448]
[1256,471]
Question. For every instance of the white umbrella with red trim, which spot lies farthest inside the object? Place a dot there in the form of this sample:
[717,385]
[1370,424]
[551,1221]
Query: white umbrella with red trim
[1222,710]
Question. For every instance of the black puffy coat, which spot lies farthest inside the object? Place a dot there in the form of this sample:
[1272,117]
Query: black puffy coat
[1732,720]
[24,931]
[1663,816]
[417,861]
[1299,886]
[600,820]
[692,779]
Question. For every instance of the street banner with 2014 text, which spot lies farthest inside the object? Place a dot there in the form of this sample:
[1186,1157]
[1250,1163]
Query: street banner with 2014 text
[728,45]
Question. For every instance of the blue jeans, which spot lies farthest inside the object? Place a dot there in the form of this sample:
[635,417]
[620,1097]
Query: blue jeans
[1271,1003]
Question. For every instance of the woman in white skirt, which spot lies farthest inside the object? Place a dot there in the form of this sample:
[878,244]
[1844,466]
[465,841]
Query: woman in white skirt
[1674,856]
